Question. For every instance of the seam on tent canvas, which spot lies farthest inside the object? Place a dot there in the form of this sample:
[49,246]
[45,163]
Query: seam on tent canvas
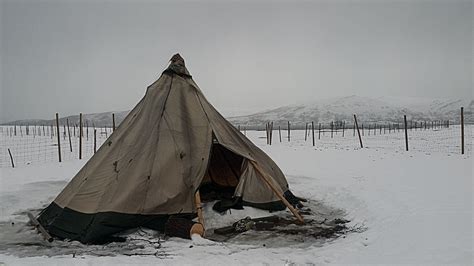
[202,107]
[157,140]
[209,154]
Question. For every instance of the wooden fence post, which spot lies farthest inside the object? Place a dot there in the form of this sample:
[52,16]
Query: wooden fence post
[343,127]
[462,130]
[406,131]
[59,138]
[289,131]
[271,132]
[266,131]
[113,122]
[95,140]
[332,128]
[319,131]
[312,129]
[69,134]
[358,132]
[80,136]
[279,132]
[11,158]
[305,131]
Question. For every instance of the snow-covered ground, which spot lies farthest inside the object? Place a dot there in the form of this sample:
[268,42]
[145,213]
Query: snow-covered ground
[416,207]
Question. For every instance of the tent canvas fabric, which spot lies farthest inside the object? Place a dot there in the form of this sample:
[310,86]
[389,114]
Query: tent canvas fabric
[155,161]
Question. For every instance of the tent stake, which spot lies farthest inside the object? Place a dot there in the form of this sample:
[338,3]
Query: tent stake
[278,193]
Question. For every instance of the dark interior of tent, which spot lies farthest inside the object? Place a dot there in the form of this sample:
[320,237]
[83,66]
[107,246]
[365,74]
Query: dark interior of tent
[222,175]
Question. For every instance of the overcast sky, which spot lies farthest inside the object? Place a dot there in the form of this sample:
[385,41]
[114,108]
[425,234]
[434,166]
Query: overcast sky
[94,56]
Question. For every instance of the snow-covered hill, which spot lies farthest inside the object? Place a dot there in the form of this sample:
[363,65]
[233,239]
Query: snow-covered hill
[382,109]
[367,109]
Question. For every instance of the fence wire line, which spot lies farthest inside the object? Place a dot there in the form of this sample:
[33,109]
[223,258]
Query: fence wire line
[32,148]
[37,145]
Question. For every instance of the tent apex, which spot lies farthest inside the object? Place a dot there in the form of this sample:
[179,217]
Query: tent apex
[177,65]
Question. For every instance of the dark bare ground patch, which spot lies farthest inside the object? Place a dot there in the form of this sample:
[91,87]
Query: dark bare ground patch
[323,224]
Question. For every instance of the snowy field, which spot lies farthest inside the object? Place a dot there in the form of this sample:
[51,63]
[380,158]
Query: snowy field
[412,207]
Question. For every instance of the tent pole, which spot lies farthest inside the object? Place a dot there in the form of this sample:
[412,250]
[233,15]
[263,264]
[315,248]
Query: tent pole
[197,199]
[275,190]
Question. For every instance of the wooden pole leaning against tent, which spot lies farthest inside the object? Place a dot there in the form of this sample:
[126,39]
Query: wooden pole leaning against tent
[198,228]
[269,183]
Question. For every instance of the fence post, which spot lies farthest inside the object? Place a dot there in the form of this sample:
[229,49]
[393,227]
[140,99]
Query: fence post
[406,132]
[312,129]
[319,131]
[358,132]
[289,131]
[305,131]
[95,140]
[462,130]
[113,122]
[69,133]
[271,132]
[11,158]
[279,132]
[59,138]
[266,131]
[332,128]
[343,127]
[80,136]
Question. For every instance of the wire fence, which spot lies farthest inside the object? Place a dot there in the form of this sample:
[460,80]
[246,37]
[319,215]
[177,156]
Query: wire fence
[33,145]
[24,145]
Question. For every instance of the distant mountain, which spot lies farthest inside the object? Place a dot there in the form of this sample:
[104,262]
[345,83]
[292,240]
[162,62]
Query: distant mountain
[383,109]
[97,119]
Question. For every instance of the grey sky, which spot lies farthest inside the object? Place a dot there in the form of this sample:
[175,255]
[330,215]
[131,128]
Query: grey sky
[78,56]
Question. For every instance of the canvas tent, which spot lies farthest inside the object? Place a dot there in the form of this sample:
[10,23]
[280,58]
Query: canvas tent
[168,146]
